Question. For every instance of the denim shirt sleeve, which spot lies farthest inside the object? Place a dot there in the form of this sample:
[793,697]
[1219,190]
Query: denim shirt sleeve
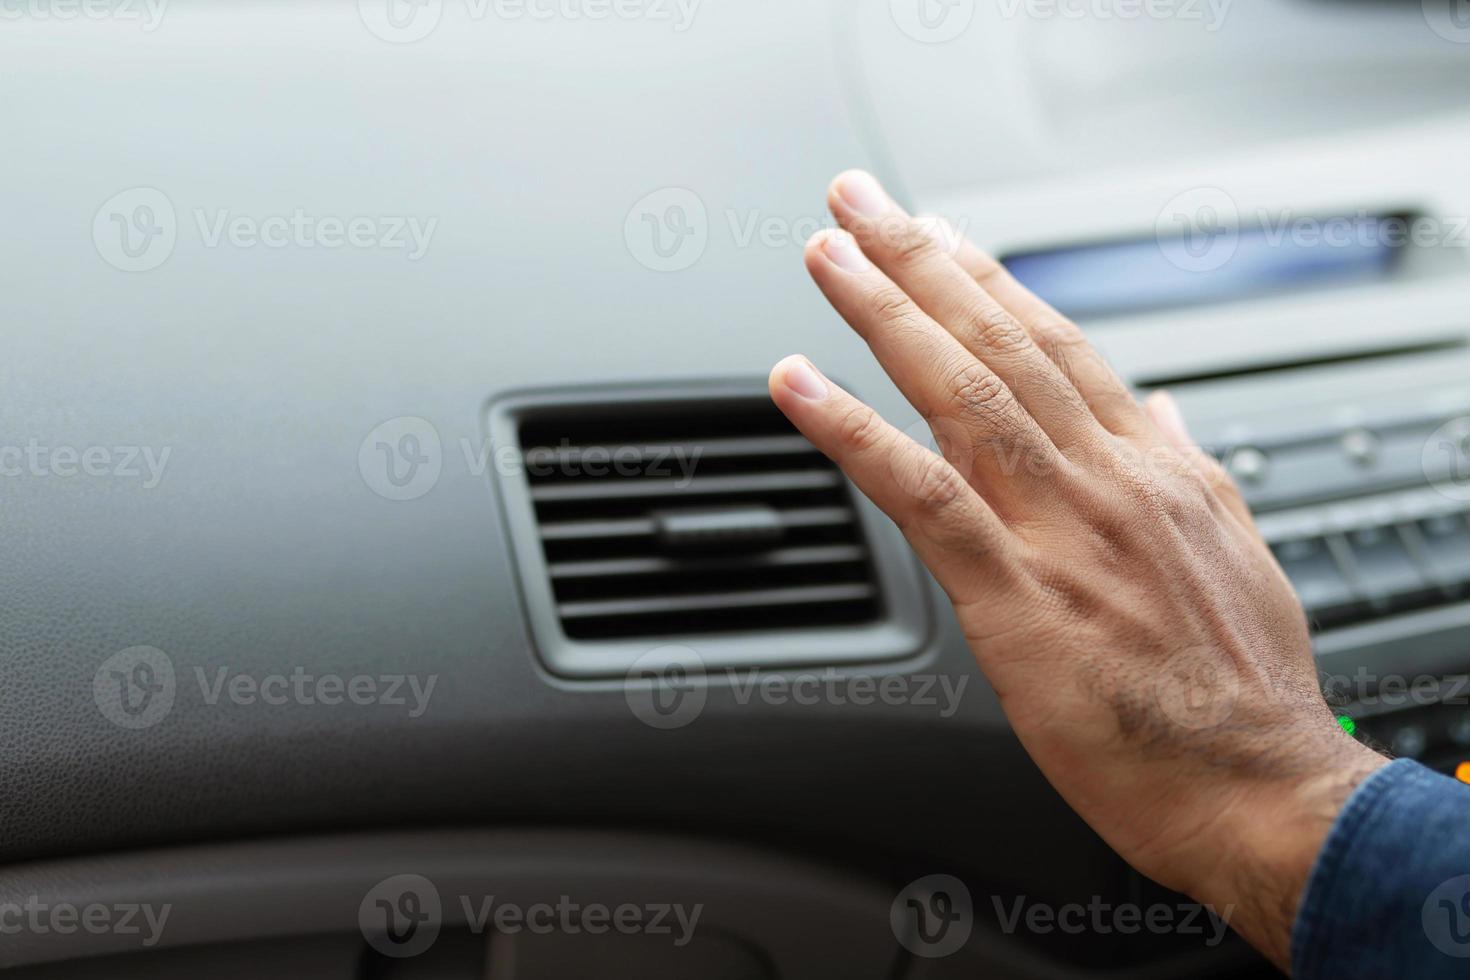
[1390,893]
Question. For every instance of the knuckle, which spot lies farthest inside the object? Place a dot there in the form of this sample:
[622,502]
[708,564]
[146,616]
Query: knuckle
[1059,332]
[937,484]
[976,390]
[891,305]
[912,244]
[859,429]
[996,330]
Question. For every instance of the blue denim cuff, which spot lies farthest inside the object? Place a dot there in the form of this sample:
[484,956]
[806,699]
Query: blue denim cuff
[1389,895]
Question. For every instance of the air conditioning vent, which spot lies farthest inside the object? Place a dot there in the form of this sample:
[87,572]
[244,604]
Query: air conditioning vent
[715,518]
[698,517]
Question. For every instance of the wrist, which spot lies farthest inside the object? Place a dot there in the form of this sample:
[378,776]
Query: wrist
[1268,839]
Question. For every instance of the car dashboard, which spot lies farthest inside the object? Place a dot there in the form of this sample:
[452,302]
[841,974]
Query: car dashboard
[395,518]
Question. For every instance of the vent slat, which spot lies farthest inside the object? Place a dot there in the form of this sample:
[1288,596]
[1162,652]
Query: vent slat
[637,527]
[692,518]
[831,555]
[664,487]
[727,448]
[755,599]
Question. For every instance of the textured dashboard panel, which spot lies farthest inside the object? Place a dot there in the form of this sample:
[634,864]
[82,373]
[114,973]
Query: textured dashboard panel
[274,539]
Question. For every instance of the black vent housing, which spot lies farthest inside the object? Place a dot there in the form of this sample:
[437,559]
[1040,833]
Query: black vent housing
[715,517]
[692,527]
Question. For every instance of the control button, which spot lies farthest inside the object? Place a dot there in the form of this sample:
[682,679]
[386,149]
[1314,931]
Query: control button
[1249,465]
[1362,447]
[1317,577]
[1460,730]
[1409,742]
[1447,548]
[1383,568]
[1462,772]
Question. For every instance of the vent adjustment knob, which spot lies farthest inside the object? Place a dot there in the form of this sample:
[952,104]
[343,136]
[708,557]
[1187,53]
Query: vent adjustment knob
[751,526]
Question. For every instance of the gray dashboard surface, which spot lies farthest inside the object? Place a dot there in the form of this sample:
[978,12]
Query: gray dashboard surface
[263,548]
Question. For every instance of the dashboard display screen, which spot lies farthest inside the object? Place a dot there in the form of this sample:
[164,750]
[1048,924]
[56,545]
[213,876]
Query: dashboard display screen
[1127,276]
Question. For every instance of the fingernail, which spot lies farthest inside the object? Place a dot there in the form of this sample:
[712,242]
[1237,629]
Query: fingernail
[843,250]
[803,379]
[861,192]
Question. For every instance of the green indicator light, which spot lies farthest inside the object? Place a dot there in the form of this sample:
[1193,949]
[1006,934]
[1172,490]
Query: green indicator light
[1348,725]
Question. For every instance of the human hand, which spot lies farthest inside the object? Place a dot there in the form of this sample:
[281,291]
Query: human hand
[1147,649]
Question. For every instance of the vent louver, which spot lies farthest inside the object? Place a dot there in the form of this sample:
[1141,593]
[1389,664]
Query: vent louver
[704,516]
